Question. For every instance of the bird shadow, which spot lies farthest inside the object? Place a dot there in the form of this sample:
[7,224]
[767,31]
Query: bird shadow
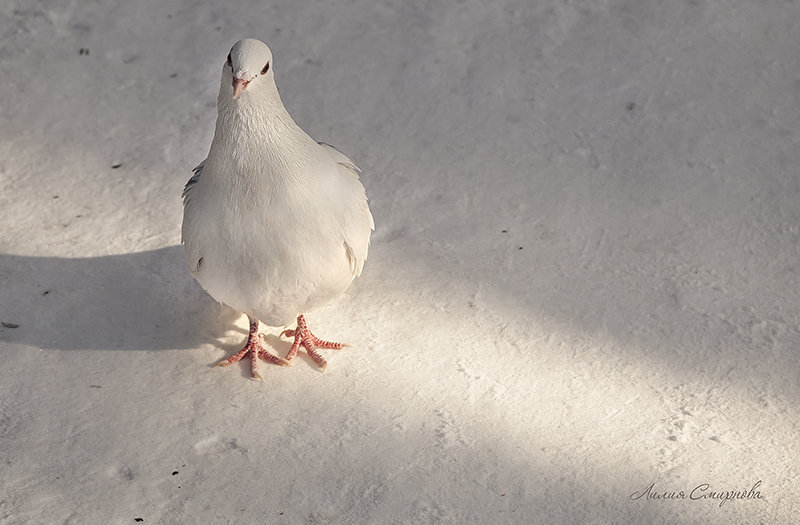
[134,301]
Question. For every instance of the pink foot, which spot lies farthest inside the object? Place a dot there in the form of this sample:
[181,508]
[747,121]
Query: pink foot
[256,349]
[303,337]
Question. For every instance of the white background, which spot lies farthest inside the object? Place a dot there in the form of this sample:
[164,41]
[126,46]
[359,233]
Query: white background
[583,279]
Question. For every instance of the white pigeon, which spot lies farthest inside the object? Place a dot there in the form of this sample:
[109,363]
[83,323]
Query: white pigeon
[275,224]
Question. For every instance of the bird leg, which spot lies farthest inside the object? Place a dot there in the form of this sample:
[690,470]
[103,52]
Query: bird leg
[256,349]
[303,337]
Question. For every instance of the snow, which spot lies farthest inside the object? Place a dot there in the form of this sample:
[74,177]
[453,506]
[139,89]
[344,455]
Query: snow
[583,280]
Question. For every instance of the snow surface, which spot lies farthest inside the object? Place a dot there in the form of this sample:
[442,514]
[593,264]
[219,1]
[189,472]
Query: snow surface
[583,281]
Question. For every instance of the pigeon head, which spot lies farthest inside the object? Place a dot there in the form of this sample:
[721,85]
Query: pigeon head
[248,67]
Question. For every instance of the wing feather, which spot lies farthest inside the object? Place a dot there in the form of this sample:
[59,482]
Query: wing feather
[187,190]
[358,221]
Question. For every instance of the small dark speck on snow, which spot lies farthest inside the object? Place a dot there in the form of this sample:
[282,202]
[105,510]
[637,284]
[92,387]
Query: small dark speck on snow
[138,520]
[45,292]
[83,51]
[10,325]
[520,247]
[115,166]
[503,231]
[174,472]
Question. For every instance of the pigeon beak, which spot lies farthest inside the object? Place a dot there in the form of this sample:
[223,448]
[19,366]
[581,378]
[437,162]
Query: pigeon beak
[239,85]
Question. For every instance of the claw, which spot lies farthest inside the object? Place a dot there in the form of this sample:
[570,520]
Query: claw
[266,356]
[255,348]
[303,337]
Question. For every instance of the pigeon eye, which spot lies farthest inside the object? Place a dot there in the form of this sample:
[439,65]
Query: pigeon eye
[265,69]
[229,62]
